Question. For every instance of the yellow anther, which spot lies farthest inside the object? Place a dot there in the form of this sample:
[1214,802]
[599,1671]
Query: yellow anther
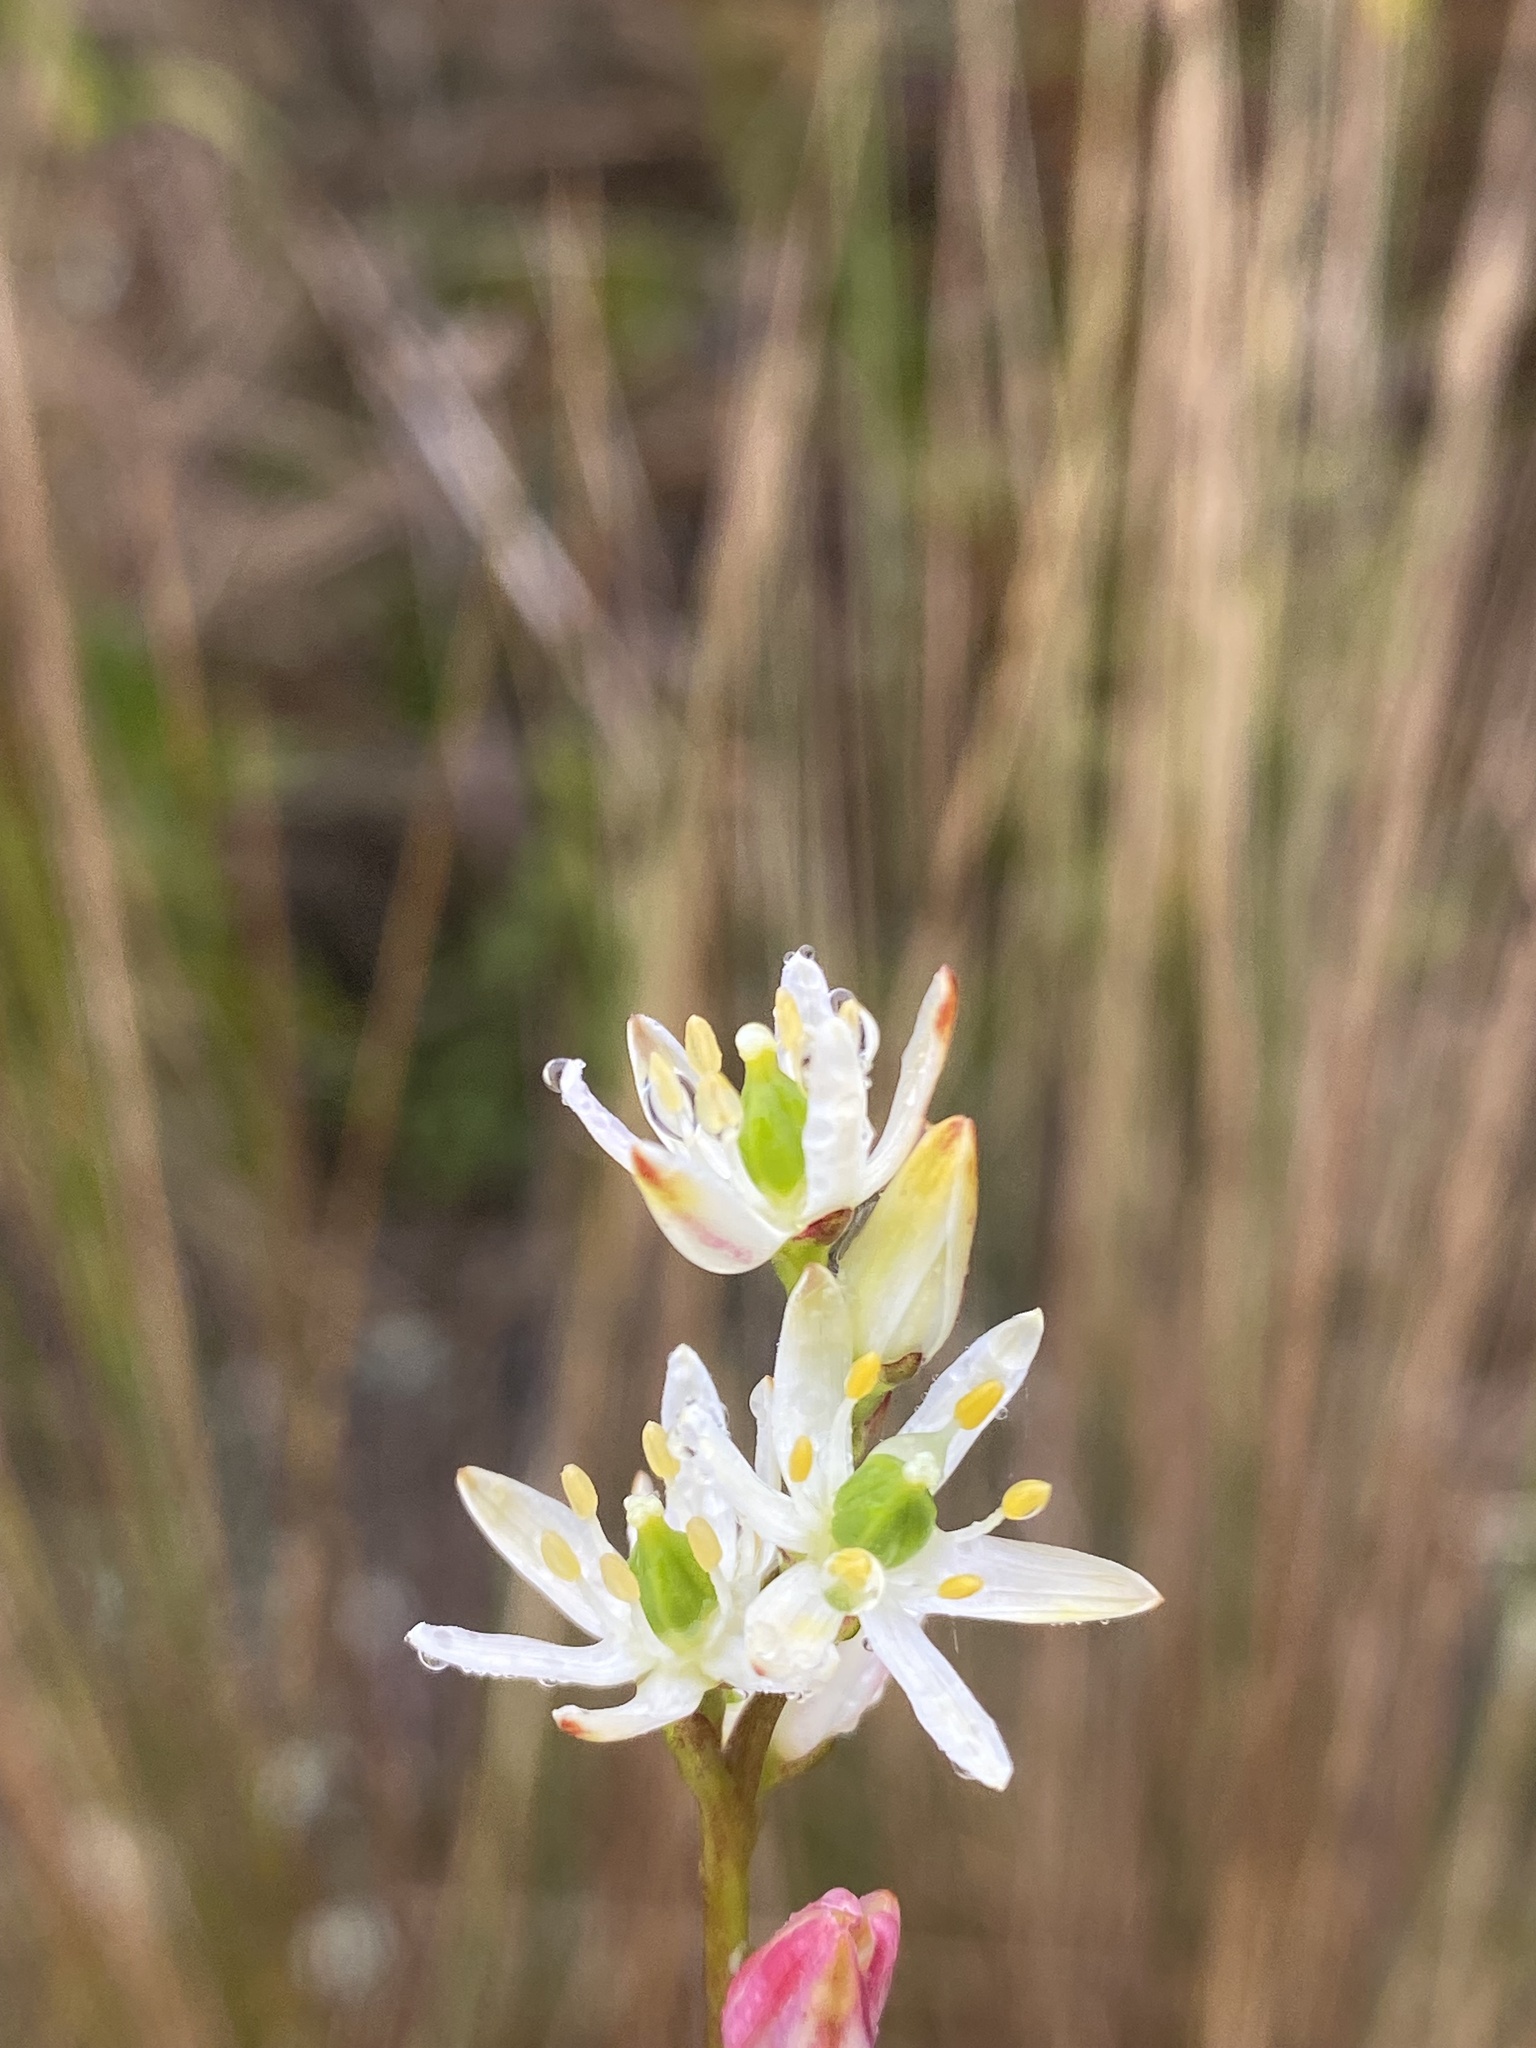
[659,1454]
[960,1587]
[717,1105]
[863,1376]
[559,1556]
[702,1046]
[972,1409]
[579,1491]
[668,1090]
[618,1578]
[801,1459]
[1024,1498]
[704,1543]
[788,1026]
[854,1568]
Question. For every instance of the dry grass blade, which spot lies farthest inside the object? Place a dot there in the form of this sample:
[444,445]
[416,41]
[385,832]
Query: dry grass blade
[47,677]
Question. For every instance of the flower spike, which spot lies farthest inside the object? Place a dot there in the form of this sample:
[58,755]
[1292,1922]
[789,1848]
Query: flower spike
[866,1547]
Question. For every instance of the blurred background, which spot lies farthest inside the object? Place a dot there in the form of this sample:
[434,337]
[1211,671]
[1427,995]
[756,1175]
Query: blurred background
[513,513]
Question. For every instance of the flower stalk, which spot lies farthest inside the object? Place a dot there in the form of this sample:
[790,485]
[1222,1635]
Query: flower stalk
[726,1780]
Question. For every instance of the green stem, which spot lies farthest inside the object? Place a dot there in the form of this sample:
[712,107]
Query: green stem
[727,1784]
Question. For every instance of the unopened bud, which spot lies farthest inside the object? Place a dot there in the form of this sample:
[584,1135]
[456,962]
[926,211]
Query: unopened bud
[821,1981]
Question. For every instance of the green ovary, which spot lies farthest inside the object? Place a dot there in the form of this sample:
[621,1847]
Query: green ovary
[772,1118]
[675,1591]
[882,1511]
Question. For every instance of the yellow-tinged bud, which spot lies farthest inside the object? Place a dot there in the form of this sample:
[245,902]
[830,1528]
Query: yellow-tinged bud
[960,1587]
[559,1556]
[972,1409]
[618,1578]
[801,1459]
[1024,1498]
[659,1454]
[904,1272]
[704,1543]
[702,1046]
[667,1088]
[579,1491]
[863,1376]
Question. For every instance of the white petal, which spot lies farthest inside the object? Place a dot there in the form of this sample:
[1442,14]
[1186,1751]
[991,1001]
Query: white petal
[615,1136]
[496,1656]
[1005,1354]
[804,980]
[791,1631]
[773,1515]
[835,1708]
[1029,1582]
[694,1490]
[513,1517]
[811,1365]
[664,1697]
[921,1065]
[701,1214]
[688,1379]
[837,1132]
[643,1036]
[765,1458]
[940,1697]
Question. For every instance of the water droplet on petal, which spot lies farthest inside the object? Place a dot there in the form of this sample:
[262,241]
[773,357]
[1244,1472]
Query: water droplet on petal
[554,1073]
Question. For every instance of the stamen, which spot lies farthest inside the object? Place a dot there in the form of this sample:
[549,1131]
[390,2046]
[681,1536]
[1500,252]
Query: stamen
[972,1409]
[863,1376]
[717,1105]
[579,1491]
[788,1025]
[960,1587]
[659,1454]
[1024,1498]
[854,1568]
[669,1090]
[702,1046]
[618,1578]
[704,1543]
[801,1459]
[559,1556]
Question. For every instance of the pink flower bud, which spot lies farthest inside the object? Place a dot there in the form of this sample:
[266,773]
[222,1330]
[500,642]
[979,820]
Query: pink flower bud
[822,1980]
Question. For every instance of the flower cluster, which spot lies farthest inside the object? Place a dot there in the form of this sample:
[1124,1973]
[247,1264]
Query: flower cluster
[810,1570]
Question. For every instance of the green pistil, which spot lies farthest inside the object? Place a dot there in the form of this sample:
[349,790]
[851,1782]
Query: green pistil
[884,1512]
[675,1590]
[772,1118]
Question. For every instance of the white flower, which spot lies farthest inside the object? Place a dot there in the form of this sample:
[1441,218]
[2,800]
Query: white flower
[666,1618]
[867,1542]
[732,1174]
